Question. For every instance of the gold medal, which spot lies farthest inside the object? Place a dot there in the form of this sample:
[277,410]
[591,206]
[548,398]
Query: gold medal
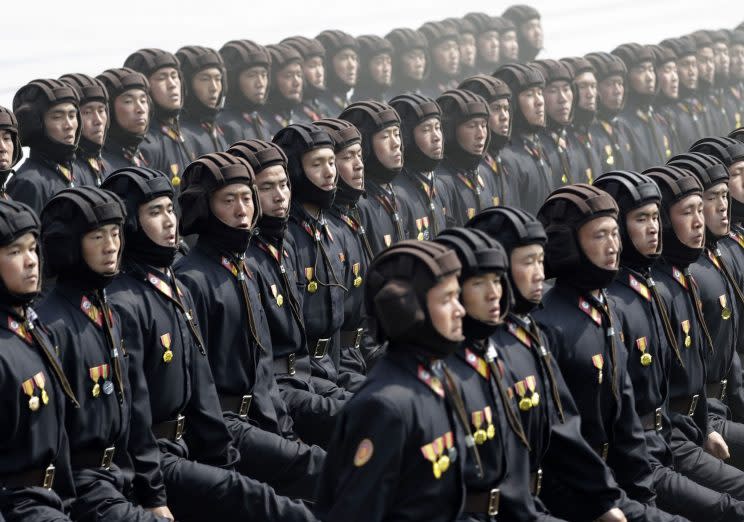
[480,437]
[167,356]
[646,359]
[312,287]
[726,314]
[444,463]
[535,399]
[357,281]
[96,391]
[491,431]
[525,404]
[279,300]
[420,236]
[599,377]
[436,469]
[688,341]
[44,397]
[33,403]
[176,180]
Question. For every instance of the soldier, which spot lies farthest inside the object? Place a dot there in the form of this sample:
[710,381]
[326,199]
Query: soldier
[164,147]
[129,111]
[735,89]
[111,446]
[667,95]
[383,214]
[722,65]
[285,90]
[341,50]
[444,53]
[163,339]
[313,69]
[49,124]
[487,41]
[94,121]
[467,43]
[219,191]
[508,41]
[247,65]
[375,69]
[399,449]
[715,124]
[10,148]
[465,119]
[35,446]
[529,30]
[205,82]
[410,60]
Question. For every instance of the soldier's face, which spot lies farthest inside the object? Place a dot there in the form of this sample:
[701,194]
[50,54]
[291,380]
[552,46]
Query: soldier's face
[721,59]
[165,88]
[345,64]
[446,57]
[131,110]
[737,61]
[736,181]
[559,101]
[386,145]
[273,191]
[706,64]
[500,119]
[289,82]
[533,32]
[428,138]
[688,72]
[509,46]
[19,265]
[445,309]
[472,136]
[600,241]
[207,86]
[254,82]
[532,105]
[528,272]
[6,149]
[101,249]
[233,205]
[480,297]
[94,117]
[467,49]
[320,168]
[350,166]
[715,208]
[61,123]
[159,221]
[642,78]
[611,92]
[413,64]
[643,228]
[489,47]
[381,69]
[668,80]
[314,71]
[586,85]
[688,221]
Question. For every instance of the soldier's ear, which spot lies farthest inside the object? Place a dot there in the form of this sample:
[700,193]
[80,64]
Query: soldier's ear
[397,308]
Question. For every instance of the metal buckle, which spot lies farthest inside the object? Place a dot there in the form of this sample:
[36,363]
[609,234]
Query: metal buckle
[108,457]
[48,480]
[358,338]
[180,422]
[245,405]
[722,394]
[538,482]
[657,419]
[494,498]
[291,364]
[693,405]
[321,347]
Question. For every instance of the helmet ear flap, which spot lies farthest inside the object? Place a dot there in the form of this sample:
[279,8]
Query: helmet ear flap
[397,308]
[562,248]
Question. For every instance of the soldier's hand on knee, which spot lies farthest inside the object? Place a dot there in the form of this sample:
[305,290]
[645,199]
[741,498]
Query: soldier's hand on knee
[613,515]
[716,446]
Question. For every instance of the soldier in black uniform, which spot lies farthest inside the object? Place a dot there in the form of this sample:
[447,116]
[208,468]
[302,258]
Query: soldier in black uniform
[722,65]
[10,148]
[465,119]
[667,91]
[89,166]
[716,120]
[508,41]
[410,60]
[341,72]
[35,447]
[223,210]
[444,58]
[383,214]
[313,69]
[375,69]
[734,91]
[529,30]
[399,448]
[487,55]
[113,455]
[285,106]
[205,83]
[163,338]
[247,65]
[49,124]
[129,117]
[467,44]
[418,188]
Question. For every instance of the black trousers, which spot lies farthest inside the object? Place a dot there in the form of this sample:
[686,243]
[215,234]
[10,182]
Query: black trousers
[31,505]
[706,470]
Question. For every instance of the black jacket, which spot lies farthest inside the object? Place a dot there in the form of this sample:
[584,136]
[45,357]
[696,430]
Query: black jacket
[39,179]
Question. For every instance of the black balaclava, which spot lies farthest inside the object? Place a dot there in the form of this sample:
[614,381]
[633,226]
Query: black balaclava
[335,41]
[703,40]
[491,89]
[262,155]
[484,23]
[370,46]
[137,186]
[459,106]
[631,191]
[556,71]
[520,77]
[579,65]
[308,48]
[296,140]
[282,56]
[30,104]
[562,215]
[404,40]
[16,220]
[682,48]
[149,61]
[633,54]
[662,57]
[479,254]
[117,82]
[435,34]
[344,135]
[202,178]
[396,285]
[9,123]
[513,228]
[371,117]
[675,185]
[521,14]
[239,55]
[66,218]
[728,151]
[413,110]
[88,90]
[607,65]
[193,60]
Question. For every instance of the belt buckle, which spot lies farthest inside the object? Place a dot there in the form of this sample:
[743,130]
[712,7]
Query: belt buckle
[358,337]
[108,457]
[605,450]
[657,419]
[538,481]
[693,405]
[494,498]
[724,385]
[180,421]
[291,364]
[48,480]
[245,405]
[321,347]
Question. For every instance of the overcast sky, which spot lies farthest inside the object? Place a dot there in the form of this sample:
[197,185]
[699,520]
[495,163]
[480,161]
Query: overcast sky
[48,39]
